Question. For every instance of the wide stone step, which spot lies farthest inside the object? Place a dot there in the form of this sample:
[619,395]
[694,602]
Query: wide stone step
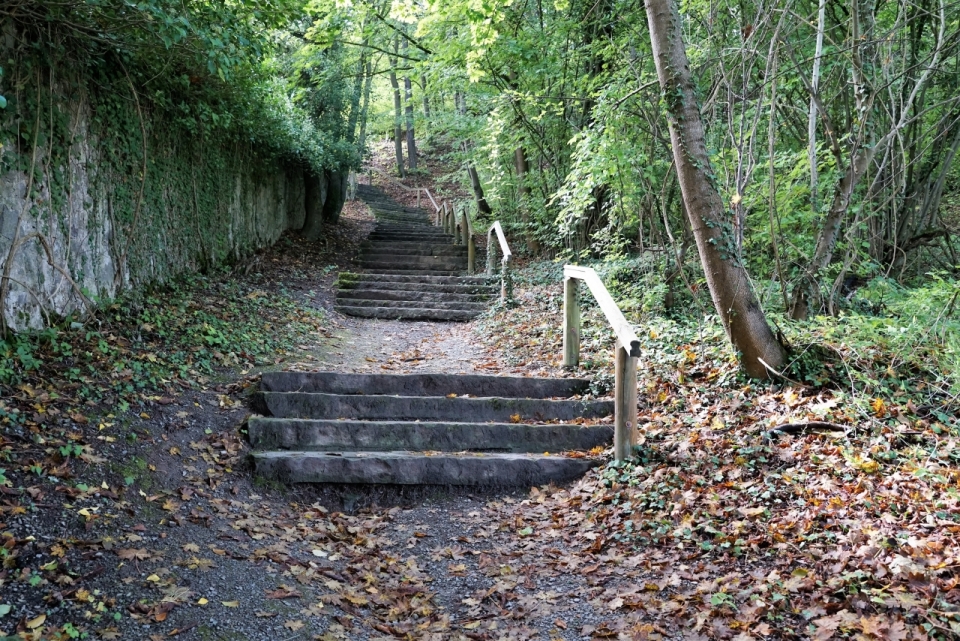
[412,468]
[386,237]
[479,280]
[474,307]
[386,207]
[419,232]
[384,436]
[413,249]
[417,272]
[409,295]
[425,408]
[410,314]
[483,385]
[449,263]
[426,288]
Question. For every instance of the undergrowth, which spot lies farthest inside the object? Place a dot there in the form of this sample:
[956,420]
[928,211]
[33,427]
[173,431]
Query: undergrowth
[177,335]
[821,504]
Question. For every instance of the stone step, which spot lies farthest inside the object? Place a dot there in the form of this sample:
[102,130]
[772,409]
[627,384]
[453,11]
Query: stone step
[426,288]
[385,436]
[400,221]
[425,408]
[411,237]
[412,468]
[453,305]
[411,229]
[389,261]
[396,313]
[387,207]
[408,295]
[418,272]
[413,249]
[423,384]
[479,280]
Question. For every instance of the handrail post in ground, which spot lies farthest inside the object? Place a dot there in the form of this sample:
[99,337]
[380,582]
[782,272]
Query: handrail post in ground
[627,352]
[506,285]
[571,322]
[471,244]
[456,226]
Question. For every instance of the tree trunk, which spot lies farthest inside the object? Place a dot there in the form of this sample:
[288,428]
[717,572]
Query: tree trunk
[727,279]
[807,290]
[482,206]
[411,141]
[314,201]
[523,191]
[354,113]
[397,112]
[812,116]
[426,98]
[362,139]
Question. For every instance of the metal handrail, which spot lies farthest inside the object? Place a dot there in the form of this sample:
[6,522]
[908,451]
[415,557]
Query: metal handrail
[627,352]
[506,283]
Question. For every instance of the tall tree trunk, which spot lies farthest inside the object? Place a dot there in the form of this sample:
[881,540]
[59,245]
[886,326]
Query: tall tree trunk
[411,140]
[807,290]
[355,99]
[426,97]
[812,116]
[368,82]
[397,112]
[460,100]
[523,191]
[727,278]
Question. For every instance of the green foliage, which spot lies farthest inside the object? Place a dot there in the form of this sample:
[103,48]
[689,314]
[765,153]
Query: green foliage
[208,69]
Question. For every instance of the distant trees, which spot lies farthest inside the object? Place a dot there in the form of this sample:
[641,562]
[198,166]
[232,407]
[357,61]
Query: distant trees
[830,132]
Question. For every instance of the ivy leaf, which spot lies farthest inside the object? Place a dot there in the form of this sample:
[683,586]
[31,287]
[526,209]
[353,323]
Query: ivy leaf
[3,102]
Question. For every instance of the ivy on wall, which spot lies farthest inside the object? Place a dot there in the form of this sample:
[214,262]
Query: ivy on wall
[151,138]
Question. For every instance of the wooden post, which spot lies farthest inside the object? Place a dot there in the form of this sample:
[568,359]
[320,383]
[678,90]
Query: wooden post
[457,229]
[491,251]
[625,404]
[571,322]
[471,255]
[506,287]
[463,226]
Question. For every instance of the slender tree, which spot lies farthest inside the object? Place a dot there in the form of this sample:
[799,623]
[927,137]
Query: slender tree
[408,97]
[727,278]
[397,109]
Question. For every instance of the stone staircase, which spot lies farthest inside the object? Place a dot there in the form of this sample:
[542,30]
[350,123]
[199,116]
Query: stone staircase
[423,429]
[411,270]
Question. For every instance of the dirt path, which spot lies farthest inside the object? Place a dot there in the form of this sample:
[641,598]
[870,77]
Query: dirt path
[205,552]
[159,530]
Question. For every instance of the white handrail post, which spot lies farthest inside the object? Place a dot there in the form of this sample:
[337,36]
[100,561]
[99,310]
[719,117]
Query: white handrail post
[471,254]
[571,322]
[456,228]
[491,250]
[625,404]
[506,285]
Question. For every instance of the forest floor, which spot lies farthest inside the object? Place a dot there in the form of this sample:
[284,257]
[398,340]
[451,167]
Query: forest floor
[128,509]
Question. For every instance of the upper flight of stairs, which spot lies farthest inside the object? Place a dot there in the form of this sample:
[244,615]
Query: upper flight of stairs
[411,269]
[423,429]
